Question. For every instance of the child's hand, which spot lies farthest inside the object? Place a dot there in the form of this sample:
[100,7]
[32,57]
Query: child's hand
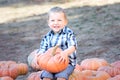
[63,57]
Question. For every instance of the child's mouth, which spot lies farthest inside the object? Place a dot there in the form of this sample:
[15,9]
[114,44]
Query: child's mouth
[56,26]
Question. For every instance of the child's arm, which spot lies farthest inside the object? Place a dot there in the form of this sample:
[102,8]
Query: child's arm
[66,53]
[70,50]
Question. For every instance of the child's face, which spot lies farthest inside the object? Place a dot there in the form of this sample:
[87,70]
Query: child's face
[57,21]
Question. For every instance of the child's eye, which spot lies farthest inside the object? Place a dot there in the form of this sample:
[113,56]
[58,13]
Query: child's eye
[59,20]
[52,20]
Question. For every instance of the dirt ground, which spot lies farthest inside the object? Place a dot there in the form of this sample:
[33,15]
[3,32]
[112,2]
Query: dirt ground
[96,25]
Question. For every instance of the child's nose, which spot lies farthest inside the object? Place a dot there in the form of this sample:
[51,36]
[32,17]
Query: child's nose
[56,22]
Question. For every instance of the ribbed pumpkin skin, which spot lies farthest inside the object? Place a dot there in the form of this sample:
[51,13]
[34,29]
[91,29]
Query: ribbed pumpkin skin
[50,61]
[112,71]
[22,68]
[116,64]
[93,63]
[77,75]
[96,75]
[87,72]
[78,67]
[9,70]
[32,60]
[34,76]
[2,63]
[6,78]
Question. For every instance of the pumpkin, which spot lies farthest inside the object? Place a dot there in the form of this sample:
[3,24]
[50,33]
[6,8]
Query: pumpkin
[2,63]
[34,76]
[116,64]
[6,78]
[112,71]
[50,60]
[9,70]
[87,72]
[32,60]
[96,75]
[22,68]
[117,77]
[93,63]
[10,62]
[78,67]
[77,75]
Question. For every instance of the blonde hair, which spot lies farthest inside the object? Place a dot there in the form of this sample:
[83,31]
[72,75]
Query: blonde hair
[57,10]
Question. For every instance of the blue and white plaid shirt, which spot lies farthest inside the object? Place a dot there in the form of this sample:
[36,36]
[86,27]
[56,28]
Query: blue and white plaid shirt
[65,38]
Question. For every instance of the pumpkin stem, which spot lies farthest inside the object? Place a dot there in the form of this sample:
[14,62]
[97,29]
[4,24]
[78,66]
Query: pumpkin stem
[54,49]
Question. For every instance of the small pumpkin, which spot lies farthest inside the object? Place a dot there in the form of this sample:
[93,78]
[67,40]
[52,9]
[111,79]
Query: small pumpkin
[34,76]
[96,75]
[93,63]
[32,60]
[22,68]
[50,60]
[112,71]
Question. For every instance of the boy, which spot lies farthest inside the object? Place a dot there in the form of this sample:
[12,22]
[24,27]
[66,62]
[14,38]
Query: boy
[60,35]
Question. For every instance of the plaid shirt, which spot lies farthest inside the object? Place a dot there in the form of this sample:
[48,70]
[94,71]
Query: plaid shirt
[65,38]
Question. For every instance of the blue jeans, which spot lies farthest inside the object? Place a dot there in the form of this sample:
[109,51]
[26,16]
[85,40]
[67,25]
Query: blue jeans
[63,74]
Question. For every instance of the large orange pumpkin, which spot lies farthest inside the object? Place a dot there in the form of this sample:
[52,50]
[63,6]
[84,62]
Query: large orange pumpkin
[96,75]
[93,63]
[50,60]
[112,71]
[32,60]
[87,72]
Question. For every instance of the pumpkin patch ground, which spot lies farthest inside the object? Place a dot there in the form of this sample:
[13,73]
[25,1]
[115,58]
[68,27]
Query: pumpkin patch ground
[96,25]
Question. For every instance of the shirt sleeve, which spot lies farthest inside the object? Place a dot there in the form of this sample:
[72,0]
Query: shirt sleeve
[43,46]
[72,40]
